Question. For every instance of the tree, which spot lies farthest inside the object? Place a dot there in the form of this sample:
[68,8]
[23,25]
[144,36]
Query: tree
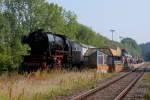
[20,17]
[131,46]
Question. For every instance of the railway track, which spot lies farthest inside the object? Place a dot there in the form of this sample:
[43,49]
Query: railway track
[116,89]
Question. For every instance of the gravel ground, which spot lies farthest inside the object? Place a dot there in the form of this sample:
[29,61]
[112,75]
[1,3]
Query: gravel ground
[139,91]
[82,91]
[113,90]
[105,93]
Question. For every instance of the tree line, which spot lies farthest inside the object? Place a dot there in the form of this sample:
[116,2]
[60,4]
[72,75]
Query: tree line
[20,17]
[145,47]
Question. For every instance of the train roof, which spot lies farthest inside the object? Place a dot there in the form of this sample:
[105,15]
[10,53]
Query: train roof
[82,45]
[112,51]
[103,50]
[60,35]
[90,51]
[87,46]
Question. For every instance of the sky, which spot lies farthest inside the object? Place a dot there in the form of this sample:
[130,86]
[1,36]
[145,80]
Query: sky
[130,18]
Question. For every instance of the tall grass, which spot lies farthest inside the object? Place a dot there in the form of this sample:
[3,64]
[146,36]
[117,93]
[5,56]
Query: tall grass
[147,81]
[47,85]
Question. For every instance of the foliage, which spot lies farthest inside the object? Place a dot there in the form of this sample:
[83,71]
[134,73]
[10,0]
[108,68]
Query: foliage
[5,62]
[145,51]
[131,46]
[47,86]
[20,17]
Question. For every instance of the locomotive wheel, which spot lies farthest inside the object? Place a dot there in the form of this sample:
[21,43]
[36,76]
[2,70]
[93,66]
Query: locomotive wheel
[57,67]
[67,66]
[70,66]
[75,69]
[44,66]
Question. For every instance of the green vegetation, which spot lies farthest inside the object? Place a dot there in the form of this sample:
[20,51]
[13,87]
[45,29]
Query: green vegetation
[46,86]
[20,17]
[131,46]
[145,51]
[146,83]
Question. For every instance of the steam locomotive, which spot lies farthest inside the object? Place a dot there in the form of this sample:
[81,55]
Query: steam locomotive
[50,50]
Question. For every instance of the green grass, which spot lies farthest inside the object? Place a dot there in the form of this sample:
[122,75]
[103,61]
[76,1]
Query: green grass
[146,80]
[47,85]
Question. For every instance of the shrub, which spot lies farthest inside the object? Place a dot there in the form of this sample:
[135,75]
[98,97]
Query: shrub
[5,62]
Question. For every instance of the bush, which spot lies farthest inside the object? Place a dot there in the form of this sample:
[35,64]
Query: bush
[5,62]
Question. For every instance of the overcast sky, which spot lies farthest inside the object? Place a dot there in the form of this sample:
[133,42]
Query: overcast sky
[130,18]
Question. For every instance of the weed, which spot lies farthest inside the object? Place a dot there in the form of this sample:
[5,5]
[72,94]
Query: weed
[47,85]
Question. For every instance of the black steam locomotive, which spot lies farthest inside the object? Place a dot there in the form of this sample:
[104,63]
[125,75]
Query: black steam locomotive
[49,50]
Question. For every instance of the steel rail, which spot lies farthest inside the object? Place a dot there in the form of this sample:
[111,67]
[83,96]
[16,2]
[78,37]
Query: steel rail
[129,87]
[103,86]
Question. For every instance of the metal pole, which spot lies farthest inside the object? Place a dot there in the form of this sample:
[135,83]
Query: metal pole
[112,36]
[112,31]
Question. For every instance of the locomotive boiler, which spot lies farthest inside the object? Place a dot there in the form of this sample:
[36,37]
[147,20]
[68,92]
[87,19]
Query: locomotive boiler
[50,50]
